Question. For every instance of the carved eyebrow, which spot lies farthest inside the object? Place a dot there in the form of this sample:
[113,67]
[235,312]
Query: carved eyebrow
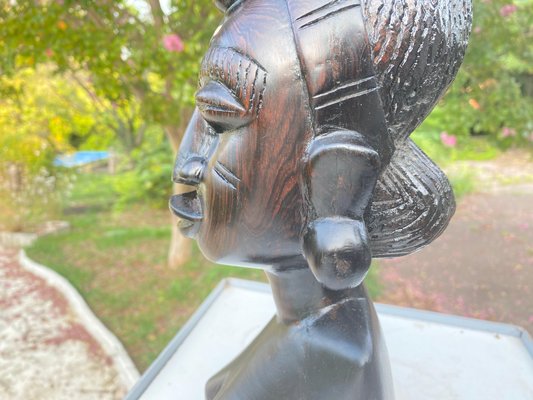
[240,73]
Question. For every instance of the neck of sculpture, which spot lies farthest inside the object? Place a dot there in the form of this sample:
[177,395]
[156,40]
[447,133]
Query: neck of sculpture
[297,294]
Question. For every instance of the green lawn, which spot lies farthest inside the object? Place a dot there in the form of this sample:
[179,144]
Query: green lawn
[117,261]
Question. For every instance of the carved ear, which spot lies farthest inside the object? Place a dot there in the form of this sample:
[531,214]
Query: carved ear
[341,174]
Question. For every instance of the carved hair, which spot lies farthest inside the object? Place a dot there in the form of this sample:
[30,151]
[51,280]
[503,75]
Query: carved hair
[417,46]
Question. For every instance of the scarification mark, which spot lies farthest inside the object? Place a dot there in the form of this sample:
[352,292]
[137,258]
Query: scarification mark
[227,171]
[348,97]
[323,7]
[226,175]
[245,56]
[240,73]
[328,15]
[344,86]
[224,178]
[261,95]
[246,74]
[252,93]
[224,64]
[216,69]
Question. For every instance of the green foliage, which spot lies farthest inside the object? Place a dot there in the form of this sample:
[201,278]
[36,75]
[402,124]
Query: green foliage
[140,84]
[492,95]
[372,280]
[144,180]
[463,182]
[91,191]
[38,116]
[121,48]
[149,181]
[476,148]
[134,84]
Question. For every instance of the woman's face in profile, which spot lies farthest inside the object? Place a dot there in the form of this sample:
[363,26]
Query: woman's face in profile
[285,88]
[243,147]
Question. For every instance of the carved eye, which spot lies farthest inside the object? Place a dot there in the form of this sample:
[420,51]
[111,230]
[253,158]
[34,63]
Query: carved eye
[220,108]
[225,5]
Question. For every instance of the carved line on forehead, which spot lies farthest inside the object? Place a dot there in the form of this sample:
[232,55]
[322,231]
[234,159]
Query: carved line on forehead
[240,73]
[325,11]
[345,91]
[335,57]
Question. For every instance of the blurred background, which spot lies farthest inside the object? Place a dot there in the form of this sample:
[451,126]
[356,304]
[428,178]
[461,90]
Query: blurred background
[95,94]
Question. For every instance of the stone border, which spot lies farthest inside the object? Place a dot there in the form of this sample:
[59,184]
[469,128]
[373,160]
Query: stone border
[23,239]
[12,239]
[128,373]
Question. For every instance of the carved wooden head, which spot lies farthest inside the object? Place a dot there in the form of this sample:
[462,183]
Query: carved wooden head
[298,149]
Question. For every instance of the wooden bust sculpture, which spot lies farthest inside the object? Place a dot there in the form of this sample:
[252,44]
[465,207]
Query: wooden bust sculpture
[300,157]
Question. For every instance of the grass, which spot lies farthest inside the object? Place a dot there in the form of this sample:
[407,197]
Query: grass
[473,148]
[463,182]
[372,281]
[91,192]
[117,261]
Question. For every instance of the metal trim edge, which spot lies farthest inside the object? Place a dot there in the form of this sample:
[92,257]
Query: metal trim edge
[155,368]
[403,312]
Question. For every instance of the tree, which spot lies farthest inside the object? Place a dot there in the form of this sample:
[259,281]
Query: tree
[142,53]
[39,117]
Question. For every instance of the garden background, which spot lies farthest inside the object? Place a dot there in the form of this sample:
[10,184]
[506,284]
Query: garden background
[120,76]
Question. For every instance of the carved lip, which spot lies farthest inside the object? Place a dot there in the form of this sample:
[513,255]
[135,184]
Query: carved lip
[188,207]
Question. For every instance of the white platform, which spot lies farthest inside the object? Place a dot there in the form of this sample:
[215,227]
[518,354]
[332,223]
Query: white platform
[433,356]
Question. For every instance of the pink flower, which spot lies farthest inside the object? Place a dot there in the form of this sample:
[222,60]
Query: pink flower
[173,43]
[448,140]
[474,104]
[508,132]
[49,53]
[508,10]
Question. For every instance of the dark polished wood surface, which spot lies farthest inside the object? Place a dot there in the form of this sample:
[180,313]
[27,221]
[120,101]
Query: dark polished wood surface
[300,161]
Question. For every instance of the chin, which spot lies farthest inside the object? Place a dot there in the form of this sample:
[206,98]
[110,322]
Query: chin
[212,253]
[229,256]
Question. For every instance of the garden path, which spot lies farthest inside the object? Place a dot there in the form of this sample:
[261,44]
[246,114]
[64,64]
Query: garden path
[45,350]
[482,265]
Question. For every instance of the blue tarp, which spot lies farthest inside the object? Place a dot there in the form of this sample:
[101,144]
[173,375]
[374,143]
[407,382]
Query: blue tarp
[80,158]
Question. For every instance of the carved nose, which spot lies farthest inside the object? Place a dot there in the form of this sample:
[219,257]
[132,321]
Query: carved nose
[191,172]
